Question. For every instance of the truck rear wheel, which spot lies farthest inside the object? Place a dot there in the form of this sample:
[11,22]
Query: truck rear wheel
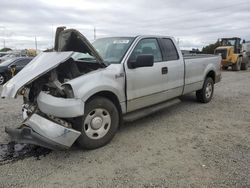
[237,65]
[99,123]
[206,93]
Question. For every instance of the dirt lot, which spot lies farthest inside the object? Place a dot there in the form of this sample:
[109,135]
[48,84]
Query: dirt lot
[187,145]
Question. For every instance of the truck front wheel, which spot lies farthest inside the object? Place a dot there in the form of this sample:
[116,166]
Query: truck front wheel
[99,123]
[206,93]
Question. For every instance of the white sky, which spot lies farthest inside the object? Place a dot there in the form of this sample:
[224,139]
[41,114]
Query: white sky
[195,23]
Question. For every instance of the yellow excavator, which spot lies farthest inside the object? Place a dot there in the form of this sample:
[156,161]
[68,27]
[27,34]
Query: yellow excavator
[232,54]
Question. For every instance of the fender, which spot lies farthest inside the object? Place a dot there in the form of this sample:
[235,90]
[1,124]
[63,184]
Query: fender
[100,80]
[210,67]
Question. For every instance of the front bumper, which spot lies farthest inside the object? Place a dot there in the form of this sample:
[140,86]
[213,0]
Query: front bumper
[60,107]
[43,132]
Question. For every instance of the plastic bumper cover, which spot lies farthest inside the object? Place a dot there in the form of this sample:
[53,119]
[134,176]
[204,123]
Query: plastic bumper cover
[60,107]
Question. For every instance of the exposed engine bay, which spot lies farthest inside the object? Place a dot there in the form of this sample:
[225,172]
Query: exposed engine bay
[52,81]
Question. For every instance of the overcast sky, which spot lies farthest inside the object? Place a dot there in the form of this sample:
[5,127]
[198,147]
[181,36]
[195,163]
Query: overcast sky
[194,22]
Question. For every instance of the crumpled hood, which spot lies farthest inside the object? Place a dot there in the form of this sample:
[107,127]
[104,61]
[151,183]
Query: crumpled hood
[39,66]
[67,42]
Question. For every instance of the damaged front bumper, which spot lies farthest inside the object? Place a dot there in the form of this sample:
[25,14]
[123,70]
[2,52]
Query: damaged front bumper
[60,107]
[43,132]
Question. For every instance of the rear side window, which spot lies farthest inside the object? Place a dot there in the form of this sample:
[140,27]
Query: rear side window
[170,52]
[22,62]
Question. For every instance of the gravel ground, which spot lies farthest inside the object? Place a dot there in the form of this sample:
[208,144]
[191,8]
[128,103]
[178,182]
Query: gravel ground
[186,145]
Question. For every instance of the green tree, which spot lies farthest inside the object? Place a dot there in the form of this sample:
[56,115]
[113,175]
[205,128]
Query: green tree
[5,49]
[210,48]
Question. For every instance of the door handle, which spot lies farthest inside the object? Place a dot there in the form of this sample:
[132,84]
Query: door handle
[164,70]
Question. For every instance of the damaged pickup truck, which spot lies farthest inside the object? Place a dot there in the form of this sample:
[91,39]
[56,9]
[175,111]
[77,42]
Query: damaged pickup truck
[82,92]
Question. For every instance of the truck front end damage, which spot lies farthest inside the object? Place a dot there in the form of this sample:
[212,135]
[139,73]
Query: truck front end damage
[50,108]
[48,112]
[41,131]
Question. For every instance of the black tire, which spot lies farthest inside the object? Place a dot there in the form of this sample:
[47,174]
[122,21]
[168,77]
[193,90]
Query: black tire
[244,66]
[237,65]
[2,79]
[224,67]
[85,140]
[201,95]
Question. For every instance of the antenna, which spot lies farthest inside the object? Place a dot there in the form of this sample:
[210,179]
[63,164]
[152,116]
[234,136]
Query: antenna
[36,44]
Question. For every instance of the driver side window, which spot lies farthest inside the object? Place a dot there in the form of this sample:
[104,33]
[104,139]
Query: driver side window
[147,47]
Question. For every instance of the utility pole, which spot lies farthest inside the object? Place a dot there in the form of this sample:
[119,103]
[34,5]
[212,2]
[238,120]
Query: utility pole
[4,34]
[36,44]
[94,33]
[52,31]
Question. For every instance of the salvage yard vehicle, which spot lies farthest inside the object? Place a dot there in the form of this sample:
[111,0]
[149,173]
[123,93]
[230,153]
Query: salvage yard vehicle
[232,54]
[12,66]
[82,92]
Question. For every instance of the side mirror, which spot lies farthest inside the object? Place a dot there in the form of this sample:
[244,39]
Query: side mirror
[142,61]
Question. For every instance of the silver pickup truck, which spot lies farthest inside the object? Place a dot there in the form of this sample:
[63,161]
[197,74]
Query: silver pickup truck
[82,92]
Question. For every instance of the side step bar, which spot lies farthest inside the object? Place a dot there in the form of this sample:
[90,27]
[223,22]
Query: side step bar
[132,116]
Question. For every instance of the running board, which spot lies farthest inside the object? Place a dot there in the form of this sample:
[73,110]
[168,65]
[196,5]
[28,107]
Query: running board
[132,116]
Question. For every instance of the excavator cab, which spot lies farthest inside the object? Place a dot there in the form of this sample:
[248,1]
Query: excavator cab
[235,42]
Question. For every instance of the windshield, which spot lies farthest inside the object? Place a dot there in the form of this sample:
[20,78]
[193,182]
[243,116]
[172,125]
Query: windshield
[228,42]
[79,56]
[7,62]
[112,49]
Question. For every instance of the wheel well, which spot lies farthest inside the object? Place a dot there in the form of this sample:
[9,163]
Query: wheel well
[113,98]
[211,74]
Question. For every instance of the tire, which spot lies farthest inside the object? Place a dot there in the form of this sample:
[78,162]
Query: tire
[244,66]
[2,79]
[206,93]
[224,67]
[99,123]
[237,65]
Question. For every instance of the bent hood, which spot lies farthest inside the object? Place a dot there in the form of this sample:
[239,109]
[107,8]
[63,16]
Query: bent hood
[73,40]
[66,43]
[39,66]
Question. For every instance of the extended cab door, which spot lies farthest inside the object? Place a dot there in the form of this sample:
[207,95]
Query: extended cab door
[174,62]
[149,85]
